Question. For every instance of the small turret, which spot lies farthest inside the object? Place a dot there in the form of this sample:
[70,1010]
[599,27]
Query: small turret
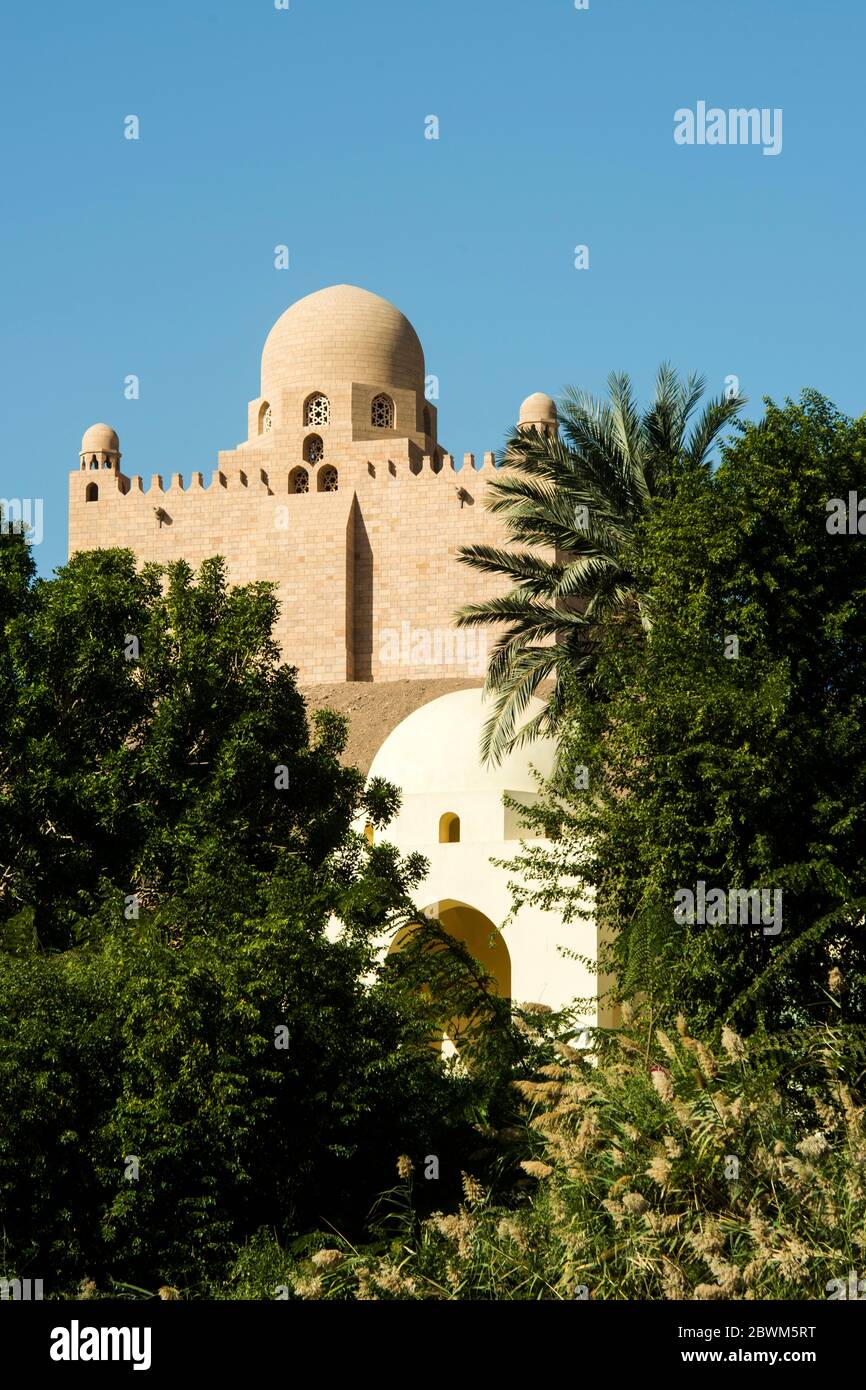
[100,448]
[538,412]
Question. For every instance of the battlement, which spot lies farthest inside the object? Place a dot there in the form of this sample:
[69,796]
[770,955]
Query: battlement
[257,478]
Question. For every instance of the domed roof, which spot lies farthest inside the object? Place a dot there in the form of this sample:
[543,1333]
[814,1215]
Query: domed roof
[342,334]
[538,409]
[100,439]
[436,750]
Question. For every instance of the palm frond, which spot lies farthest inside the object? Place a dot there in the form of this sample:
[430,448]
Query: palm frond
[572,502]
[716,415]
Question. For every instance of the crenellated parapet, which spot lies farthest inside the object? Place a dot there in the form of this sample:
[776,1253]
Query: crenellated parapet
[229,480]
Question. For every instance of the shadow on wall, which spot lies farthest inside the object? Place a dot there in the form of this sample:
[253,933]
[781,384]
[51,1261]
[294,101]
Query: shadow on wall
[362,617]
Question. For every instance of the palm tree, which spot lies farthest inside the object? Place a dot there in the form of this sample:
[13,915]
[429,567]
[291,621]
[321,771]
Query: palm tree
[579,494]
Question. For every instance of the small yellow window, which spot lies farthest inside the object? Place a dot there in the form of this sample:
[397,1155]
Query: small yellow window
[449,829]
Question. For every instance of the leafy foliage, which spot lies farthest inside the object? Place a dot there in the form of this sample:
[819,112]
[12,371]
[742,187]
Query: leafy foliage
[155,764]
[197,1031]
[743,767]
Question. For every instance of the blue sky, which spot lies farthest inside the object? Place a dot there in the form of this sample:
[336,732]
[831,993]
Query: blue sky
[306,127]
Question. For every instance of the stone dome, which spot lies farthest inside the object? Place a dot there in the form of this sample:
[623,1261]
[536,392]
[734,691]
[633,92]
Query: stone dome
[100,439]
[342,334]
[538,409]
[436,750]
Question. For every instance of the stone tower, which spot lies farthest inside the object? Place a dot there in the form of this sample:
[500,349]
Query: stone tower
[341,494]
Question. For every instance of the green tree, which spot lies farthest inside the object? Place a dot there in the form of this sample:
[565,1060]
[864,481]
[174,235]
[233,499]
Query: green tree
[730,748]
[152,738]
[571,503]
[198,1035]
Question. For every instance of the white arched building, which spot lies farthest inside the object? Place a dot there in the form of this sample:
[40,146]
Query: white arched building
[452,812]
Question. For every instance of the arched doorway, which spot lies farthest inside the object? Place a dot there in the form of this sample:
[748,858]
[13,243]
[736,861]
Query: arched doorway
[483,942]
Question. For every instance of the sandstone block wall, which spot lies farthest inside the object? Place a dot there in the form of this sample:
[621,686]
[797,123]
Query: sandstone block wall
[368,576]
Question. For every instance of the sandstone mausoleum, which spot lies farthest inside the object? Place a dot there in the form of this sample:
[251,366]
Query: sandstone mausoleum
[342,495]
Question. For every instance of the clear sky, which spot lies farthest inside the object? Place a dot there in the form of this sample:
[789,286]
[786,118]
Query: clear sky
[306,127]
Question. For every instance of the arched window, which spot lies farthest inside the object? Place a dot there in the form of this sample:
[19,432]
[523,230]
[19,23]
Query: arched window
[266,419]
[382,413]
[317,410]
[94,462]
[314,449]
[449,829]
[299,480]
[107,463]
[92,493]
[328,480]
